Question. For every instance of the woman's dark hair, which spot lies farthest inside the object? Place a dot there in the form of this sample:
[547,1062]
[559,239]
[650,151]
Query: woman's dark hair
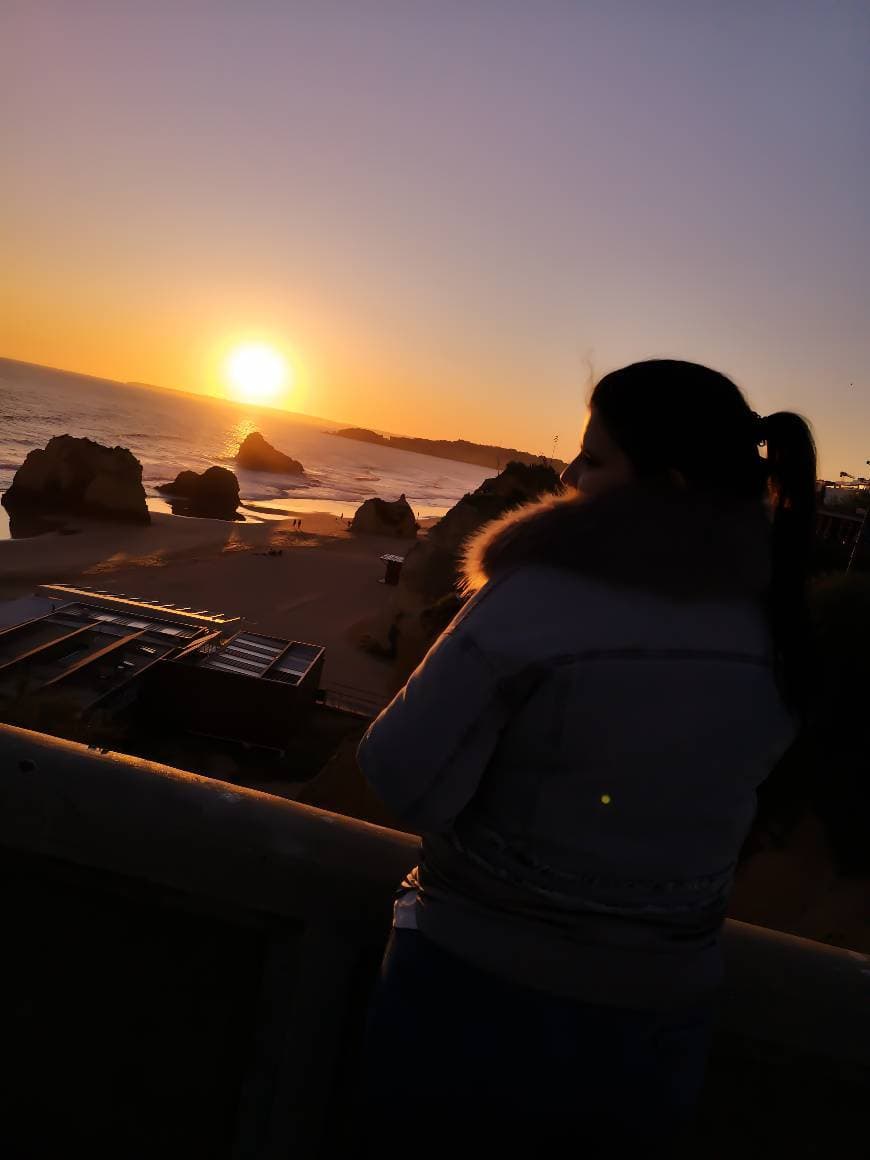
[684,422]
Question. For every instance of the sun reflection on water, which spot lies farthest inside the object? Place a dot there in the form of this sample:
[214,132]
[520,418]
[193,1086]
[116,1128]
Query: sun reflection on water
[237,435]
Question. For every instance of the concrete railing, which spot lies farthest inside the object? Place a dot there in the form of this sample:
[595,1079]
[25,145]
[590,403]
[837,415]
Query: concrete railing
[187,965]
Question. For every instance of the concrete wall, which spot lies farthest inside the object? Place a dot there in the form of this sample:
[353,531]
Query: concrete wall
[186,965]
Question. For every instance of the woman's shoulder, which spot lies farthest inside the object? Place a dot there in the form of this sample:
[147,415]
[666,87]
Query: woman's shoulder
[533,607]
[549,588]
[540,608]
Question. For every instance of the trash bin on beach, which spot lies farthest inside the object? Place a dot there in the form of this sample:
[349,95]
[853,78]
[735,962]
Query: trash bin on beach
[393,568]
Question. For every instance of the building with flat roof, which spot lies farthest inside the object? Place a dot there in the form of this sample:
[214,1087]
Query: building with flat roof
[123,601]
[71,667]
[79,655]
[249,687]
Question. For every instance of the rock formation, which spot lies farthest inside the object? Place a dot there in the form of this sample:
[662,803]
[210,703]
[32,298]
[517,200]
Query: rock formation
[255,454]
[213,494]
[378,517]
[426,597]
[80,477]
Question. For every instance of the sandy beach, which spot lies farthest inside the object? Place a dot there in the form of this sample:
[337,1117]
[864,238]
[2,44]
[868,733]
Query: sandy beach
[324,587]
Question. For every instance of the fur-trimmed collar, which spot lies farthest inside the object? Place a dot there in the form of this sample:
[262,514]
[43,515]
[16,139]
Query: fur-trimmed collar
[673,542]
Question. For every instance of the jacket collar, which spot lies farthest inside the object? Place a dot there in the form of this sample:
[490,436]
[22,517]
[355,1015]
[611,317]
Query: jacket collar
[676,543]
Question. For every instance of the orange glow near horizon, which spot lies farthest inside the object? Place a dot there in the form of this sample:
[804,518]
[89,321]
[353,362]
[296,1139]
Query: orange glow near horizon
[256,373]
[440,260]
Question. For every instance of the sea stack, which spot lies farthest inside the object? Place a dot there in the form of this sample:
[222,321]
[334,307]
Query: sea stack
[377,517]
[256,454]
[214,494]
[72,476]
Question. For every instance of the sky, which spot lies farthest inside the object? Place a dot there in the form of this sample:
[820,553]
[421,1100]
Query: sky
[447,215]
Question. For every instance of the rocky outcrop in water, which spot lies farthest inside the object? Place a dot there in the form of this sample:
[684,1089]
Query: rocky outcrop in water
[426,596]
[256,454]
[214,494]
[378,517]
[80,477]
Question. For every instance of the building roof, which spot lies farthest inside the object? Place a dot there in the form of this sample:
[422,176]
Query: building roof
[84,650]
[124,600]
[251,654]
[24,608]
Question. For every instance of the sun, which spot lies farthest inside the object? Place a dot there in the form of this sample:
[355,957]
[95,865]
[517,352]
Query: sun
[256,372]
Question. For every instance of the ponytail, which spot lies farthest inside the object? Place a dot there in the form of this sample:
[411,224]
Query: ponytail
[670,417]
[791,463]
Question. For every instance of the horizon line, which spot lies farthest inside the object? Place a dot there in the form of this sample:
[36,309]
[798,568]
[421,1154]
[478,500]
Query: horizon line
[304,415]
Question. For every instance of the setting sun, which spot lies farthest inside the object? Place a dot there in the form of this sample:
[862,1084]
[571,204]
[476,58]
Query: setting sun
[256,372]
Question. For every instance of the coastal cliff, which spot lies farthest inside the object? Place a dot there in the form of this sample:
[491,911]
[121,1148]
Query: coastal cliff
[426,597]
[459,450]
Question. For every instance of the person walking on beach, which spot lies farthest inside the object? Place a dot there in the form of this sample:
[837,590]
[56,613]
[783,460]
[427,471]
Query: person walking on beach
[580,750]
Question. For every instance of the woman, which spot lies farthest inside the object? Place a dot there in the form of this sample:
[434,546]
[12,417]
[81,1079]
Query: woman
[580,751]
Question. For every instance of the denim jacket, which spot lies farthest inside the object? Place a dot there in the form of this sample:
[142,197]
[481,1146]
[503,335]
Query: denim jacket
[582,757]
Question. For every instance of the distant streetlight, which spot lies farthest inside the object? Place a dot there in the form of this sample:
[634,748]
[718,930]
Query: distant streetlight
[858,538]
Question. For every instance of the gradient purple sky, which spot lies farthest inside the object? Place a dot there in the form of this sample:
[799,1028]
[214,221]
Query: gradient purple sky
[443,211]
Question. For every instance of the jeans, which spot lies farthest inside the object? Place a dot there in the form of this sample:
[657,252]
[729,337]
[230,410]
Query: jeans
[459,1059]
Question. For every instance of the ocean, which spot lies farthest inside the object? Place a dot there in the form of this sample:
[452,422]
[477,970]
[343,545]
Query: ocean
[169,432]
